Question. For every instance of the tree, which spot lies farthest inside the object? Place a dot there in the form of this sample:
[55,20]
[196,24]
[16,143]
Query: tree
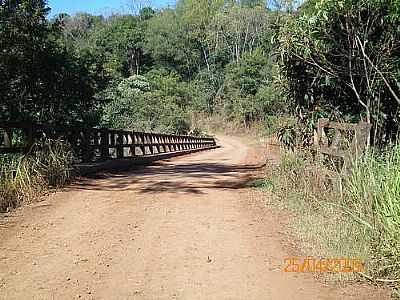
[195,17]
[344,57]
[153,103]
[238,30]
[39,79]
[121,42]
[242,84]
[77,29]
[170,46]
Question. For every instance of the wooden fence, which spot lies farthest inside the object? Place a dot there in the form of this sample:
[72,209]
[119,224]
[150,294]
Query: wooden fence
[95,144]
[342,140]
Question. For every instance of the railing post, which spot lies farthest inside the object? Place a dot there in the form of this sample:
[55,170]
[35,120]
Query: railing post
[7,137]
[104,143]
[120,147]
[85,145]
[143,144]
[132,147]
[29,132]
[151,143]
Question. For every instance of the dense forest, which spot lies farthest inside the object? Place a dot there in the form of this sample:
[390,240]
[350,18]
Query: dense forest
[244,61]
[149,71]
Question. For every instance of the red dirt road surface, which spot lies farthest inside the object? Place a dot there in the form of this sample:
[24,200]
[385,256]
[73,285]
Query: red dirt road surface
[186,228]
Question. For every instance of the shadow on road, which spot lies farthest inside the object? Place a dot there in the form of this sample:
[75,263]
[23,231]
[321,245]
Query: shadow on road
[191,178]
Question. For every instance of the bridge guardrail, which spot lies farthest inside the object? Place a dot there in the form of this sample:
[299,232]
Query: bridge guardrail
[96,144]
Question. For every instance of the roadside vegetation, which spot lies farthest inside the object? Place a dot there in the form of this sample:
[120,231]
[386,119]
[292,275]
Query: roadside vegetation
[26,178]
[355,216]
[201,66]
[340,60]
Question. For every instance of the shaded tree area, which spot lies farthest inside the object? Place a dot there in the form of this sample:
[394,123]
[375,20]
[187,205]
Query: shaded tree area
[40,79]
[341,59]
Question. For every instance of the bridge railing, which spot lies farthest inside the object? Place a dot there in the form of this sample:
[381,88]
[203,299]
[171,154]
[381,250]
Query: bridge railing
[94,144]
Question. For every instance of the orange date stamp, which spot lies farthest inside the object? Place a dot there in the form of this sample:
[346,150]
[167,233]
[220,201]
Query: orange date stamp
[322,265]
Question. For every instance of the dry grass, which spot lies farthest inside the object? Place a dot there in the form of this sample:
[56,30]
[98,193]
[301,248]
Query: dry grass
[24,179]
[361,220]
[19,182]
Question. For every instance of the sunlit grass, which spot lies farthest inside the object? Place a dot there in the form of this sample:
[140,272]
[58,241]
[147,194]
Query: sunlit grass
[24,178]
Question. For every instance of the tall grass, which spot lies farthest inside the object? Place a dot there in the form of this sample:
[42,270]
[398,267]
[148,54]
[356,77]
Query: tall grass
[54,161]
[358,218]
[19,182]
[24,179]
[373,196]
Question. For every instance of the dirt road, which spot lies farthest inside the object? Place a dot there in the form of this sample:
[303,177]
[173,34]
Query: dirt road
[187,228]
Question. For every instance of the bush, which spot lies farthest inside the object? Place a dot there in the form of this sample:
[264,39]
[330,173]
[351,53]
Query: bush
[154,104]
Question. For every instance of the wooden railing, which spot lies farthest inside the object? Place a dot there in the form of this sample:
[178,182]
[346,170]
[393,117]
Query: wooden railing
[346,141]
[94,144]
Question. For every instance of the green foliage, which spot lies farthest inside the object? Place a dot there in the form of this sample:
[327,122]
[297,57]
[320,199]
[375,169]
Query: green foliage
[120,42]
[154,104]
[201,57]
[169,44]
[247,75]
[237,29]
[247,87]
[342,56]
[36,70]
[287,136]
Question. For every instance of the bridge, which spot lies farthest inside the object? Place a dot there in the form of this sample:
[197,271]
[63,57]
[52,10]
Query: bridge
[102,148]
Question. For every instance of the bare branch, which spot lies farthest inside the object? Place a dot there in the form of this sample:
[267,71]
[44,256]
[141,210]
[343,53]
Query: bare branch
[377,70]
